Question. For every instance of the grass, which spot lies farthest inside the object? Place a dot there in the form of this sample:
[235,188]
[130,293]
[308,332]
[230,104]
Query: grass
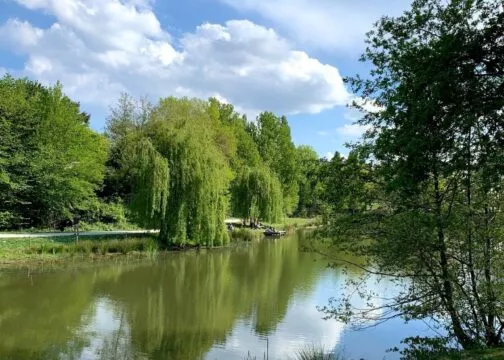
[245,234]
[310,352]
[19,250]
[55,248]
[289,223]
[316,353]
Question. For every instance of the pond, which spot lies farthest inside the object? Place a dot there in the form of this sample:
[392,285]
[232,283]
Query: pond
[222,304]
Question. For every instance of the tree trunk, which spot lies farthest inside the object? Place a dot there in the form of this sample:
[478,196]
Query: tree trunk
[447,287]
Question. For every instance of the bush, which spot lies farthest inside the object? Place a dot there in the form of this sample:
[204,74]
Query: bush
[244,235]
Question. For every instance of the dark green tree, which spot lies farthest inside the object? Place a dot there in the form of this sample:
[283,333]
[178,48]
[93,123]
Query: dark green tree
[438,141]
[273,138]
[51,163]
[310,182]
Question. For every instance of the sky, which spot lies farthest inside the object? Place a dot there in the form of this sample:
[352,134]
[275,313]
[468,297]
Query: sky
[285,56]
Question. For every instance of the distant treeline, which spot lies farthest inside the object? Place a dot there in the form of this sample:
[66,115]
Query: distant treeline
[181,165]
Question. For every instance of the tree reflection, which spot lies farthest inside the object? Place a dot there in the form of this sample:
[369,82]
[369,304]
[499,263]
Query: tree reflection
[177,307]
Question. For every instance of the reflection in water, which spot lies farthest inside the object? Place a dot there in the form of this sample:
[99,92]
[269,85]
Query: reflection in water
[195,305]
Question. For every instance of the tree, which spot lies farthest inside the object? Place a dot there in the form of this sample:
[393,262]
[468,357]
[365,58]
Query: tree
[148,173]
[179,171]
[273,138]
[257,195]
[51,163]
[438,141]
[310,181]
[125,121]
[351,182]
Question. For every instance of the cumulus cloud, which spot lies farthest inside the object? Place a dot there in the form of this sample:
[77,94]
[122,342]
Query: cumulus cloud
[352,130]
[366,105]
[337,25]
[99,48]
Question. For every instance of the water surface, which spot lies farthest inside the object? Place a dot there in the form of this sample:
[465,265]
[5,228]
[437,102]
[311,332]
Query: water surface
[219,304]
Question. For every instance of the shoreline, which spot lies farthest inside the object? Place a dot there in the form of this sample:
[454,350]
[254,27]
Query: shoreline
[45,250]
[58,247]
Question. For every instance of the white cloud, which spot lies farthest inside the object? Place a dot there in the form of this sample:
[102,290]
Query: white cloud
[358,107]
[353,115]
[21,33]
[367,105]
[352,130]
[338,25]
[323,133]
[329,155]
[98,48]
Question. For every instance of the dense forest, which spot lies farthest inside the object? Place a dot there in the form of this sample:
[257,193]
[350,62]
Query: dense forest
[180,165]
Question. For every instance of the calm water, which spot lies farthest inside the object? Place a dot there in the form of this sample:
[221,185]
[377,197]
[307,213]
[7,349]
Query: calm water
[207,305]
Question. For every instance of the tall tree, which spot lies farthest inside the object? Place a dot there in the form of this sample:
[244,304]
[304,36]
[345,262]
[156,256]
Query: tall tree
[438,139]
[257,195]
[273,137]
[310,181]
[180,172]
[51,163]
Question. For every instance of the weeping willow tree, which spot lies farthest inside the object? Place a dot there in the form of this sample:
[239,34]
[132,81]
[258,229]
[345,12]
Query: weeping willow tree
[200,145]
[149,175]
[183,133]
[257,194]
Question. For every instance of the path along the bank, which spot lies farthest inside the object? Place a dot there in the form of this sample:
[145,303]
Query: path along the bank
[39,235]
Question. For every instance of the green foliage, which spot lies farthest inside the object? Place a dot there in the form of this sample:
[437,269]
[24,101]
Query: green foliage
[310,181]
[177,165]
[149,174]
[51,163]
[257,194]
[350,184]
[200,175]
[245,235]
[437,79]
[273,138]
[99,247]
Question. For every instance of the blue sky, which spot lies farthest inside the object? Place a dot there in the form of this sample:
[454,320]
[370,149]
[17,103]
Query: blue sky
[286,56]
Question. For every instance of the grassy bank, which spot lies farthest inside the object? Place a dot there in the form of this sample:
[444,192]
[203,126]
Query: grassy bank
[21,250]
[294,223]
[47,249]
[59,248]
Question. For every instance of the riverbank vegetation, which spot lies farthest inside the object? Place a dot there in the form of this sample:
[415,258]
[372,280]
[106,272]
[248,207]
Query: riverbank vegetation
[61,248]
[423,198]
[178,165]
